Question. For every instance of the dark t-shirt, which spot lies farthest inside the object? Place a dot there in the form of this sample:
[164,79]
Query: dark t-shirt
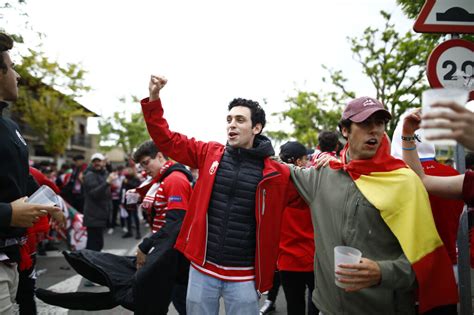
[468,188]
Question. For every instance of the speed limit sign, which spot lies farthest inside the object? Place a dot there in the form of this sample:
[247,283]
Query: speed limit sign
[451,65]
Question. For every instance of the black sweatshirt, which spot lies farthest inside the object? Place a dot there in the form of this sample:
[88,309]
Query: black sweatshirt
[14,177]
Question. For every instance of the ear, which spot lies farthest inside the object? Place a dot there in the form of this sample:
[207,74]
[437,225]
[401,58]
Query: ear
[257,129]
[299,162]
[160,156]
[345,132]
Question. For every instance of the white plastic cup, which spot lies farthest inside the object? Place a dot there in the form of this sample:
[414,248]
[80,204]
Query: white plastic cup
[44,196]
[433,96]
[345,255]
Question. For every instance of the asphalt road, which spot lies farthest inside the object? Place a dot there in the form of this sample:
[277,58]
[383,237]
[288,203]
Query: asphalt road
[55,274]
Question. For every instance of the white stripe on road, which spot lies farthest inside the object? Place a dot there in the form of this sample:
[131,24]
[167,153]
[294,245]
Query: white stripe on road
[71,284]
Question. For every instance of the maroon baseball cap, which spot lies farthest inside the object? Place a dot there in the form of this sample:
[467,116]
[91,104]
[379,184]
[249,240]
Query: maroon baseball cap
[361,108]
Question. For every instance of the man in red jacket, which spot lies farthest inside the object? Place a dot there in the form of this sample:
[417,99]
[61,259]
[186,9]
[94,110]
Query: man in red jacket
[229,233]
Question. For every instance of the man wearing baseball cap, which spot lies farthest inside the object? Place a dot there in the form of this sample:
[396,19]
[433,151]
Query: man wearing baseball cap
[97,202]
[373,202]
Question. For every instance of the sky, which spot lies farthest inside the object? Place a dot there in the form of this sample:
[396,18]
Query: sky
[210,51]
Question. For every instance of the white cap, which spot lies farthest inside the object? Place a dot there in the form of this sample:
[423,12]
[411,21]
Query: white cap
[425,149]
[97,156]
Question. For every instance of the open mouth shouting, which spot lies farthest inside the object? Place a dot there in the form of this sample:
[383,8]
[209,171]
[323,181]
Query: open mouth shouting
[232,135]
[371,143]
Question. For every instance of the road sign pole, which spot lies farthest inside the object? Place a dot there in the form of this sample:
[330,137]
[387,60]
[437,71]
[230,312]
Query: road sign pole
[464,266]
[464,269]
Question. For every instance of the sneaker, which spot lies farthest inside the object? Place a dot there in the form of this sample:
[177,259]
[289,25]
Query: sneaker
[127,235]
[110,231]
[138,237]
[125,230]
[267,307]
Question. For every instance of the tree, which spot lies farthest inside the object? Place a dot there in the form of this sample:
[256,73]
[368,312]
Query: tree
[47,89]
[394,63]
[46,99]
[411,7]
[122,129]
[309,114]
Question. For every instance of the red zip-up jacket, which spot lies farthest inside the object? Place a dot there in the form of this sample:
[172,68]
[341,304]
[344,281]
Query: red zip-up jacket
[273,194]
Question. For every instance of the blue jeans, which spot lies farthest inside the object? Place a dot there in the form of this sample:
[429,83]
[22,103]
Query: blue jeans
[205,291]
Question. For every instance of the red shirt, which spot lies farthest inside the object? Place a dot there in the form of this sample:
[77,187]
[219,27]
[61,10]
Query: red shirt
[446,212]
[41,179]
[173,192]
[297,241]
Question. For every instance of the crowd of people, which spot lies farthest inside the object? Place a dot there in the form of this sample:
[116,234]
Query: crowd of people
[249,220]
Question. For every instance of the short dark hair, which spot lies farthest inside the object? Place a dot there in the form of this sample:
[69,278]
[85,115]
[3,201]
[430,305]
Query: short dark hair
[470,160]
[6,43]
[147,148]
[257,114]
[345,123]
[327,141]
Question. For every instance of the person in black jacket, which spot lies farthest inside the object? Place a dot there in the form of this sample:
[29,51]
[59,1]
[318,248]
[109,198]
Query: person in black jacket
[131,181]
[97,201]
[15,213]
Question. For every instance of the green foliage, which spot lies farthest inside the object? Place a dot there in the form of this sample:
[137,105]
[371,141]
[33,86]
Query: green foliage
[122,129]
[395,64]
[309,114]
[47,89]
[69,79]
[9,9]
[48,111]
[411,7]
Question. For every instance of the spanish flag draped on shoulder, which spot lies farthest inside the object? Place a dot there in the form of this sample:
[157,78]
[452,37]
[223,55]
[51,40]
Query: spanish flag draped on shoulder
[398,193]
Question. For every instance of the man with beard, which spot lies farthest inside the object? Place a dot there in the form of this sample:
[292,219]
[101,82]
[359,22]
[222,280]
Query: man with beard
[97,202]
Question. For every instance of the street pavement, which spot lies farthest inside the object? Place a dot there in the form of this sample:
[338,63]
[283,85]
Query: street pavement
[54,273]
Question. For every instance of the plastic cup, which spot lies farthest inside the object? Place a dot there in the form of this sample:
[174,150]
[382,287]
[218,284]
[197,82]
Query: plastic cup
[44,196]
[434,96]
[345,255]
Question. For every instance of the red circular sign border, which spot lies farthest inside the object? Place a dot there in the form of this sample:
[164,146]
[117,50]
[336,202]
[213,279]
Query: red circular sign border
[436,53]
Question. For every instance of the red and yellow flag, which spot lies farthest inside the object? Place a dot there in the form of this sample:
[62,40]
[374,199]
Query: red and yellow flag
[398,193]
